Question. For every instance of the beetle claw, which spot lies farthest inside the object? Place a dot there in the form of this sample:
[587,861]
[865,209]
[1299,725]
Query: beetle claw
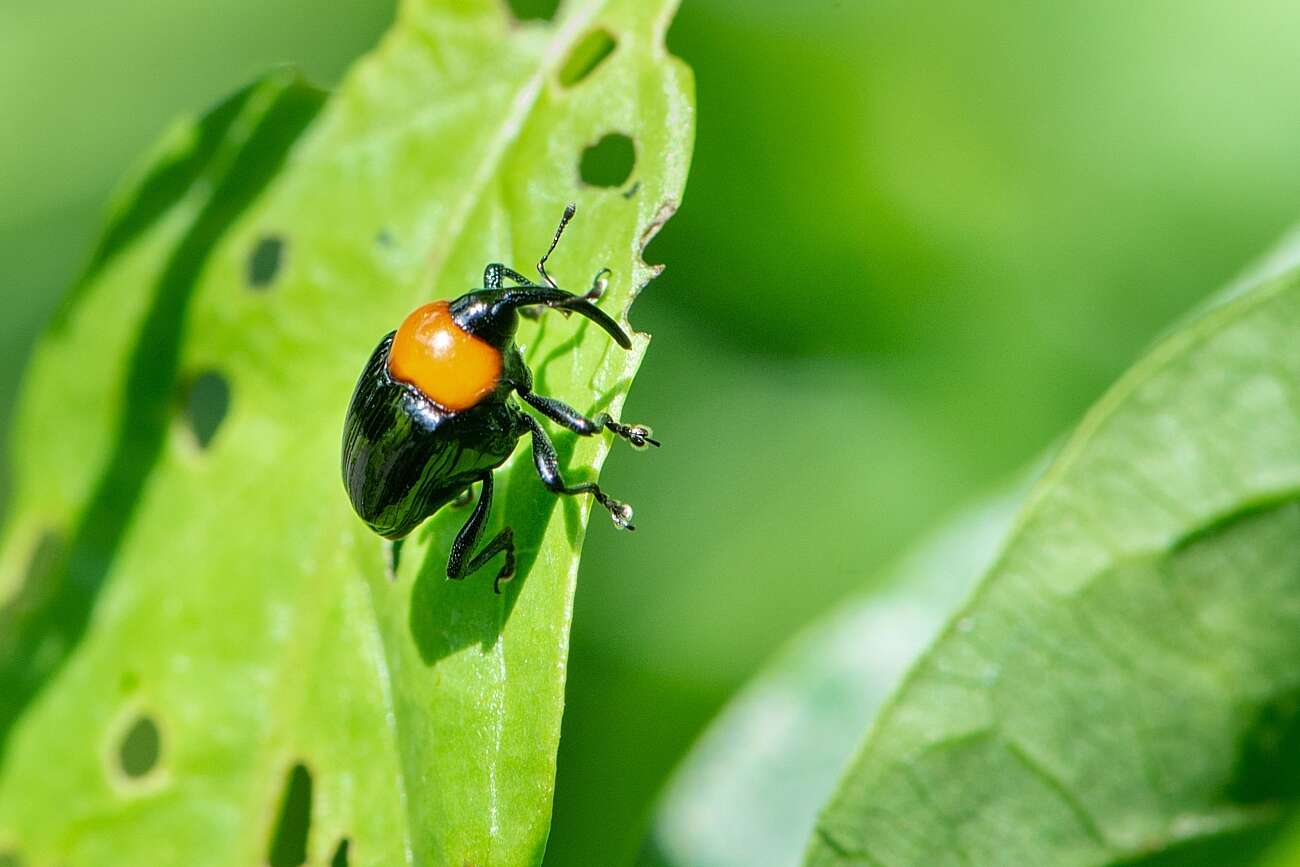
[599,284]
[640,436]
[507,573]
[621,514]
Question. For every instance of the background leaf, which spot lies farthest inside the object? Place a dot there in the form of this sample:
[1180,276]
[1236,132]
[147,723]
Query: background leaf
[748,793]
[1122,687]
[1286,852]
[198,632]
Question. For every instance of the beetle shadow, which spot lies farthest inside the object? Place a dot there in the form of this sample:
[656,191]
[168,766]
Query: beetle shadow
[565,347]
[448,616]
[569,344]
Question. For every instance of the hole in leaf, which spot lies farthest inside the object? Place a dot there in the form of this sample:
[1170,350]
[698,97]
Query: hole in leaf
[138,754]
[340,858]
[206,405]
[525,10]
[586,56]
[609,162]
[289,841]
[264,261]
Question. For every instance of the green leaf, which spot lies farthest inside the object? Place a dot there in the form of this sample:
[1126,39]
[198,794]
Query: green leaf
[748,793]
[1286,851]
[1122,688]
[202,659]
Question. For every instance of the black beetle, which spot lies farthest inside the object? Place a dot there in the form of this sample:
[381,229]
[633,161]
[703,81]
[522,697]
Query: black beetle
[432,413]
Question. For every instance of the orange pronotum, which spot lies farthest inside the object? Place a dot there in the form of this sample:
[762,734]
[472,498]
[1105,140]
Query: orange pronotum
[452,368]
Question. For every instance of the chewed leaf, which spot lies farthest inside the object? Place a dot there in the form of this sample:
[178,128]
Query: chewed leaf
[1122,688]
[202,658]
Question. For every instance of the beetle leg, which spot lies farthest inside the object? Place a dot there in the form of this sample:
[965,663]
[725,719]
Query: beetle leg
[599,284]
[638,435]
[548,467]
[468,537]
[495,274]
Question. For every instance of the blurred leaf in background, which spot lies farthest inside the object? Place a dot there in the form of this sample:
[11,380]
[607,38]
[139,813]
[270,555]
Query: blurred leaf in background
[1122,687]
[920,239]
[750,790]
[1286,851]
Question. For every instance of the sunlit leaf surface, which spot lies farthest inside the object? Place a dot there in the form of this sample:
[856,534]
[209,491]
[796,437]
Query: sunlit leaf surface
[202,661]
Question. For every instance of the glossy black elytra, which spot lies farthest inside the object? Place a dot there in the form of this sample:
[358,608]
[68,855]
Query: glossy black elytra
[433,413]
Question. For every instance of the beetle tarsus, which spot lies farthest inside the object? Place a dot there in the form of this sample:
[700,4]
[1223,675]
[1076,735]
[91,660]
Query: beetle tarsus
[599,284]
[507,572]
[639,435]
[495,275]
[619,513]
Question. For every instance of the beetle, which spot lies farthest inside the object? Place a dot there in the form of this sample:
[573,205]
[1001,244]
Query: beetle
[434,411]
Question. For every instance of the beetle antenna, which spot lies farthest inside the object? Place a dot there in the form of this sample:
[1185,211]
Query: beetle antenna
[569,211]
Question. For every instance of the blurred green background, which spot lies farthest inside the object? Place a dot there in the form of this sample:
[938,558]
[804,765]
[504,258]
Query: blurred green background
[918,240]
